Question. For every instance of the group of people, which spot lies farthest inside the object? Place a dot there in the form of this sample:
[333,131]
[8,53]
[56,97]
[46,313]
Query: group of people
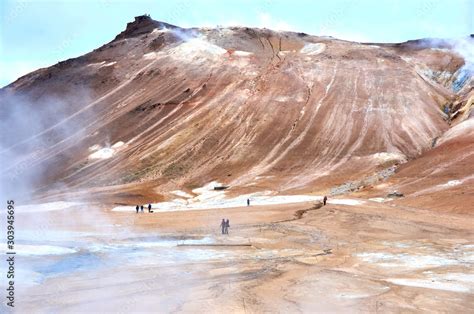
[225,226]
[224,223]
[141,207]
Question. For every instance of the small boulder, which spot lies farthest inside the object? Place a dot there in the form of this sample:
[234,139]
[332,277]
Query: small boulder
[395,194]
[220,188]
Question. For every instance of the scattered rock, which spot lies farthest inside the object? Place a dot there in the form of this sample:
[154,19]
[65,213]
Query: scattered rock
[395,194]
[220,188]
[353,186]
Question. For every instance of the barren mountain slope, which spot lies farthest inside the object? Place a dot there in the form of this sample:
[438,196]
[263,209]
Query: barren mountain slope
[252,108]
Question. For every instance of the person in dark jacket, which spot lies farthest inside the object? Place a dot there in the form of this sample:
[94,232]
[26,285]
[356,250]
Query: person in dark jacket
[141,208]
[223,224]
[149,208]
[137,208]
[248,202]
[325,199]
[227,225]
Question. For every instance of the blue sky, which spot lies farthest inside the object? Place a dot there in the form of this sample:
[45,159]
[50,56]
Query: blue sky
[38,33]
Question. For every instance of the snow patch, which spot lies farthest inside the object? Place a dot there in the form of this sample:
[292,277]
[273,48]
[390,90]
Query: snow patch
[182,194]
[96,64]
[108,64]
[241,53]
[399,245]
[313,49]
[282,98]
[263,177]
[379,199]
[93,148]
[451,183]
[118,144]
[385,156]
[208,198]
[441,49]
[159,30]
[150,55]
[443,284]
[101,64]
[103,153]
[196,47]
[207,192]
[343,201]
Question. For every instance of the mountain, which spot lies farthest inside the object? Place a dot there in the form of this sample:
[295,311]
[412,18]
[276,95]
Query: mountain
[162,107]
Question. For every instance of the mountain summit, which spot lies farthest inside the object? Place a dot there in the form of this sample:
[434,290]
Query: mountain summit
[142,24]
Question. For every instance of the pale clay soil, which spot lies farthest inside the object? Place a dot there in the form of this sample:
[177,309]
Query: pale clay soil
[360,258]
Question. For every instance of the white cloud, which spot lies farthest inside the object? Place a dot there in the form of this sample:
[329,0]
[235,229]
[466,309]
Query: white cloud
[350,36]
[226,23]
[262,20]
[265,20]
[234,23]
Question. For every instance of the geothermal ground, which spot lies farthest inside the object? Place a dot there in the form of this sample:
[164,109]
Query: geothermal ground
[351,255]
[165,115]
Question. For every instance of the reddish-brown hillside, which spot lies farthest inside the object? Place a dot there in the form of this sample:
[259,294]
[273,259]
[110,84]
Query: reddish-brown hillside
[256,109]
